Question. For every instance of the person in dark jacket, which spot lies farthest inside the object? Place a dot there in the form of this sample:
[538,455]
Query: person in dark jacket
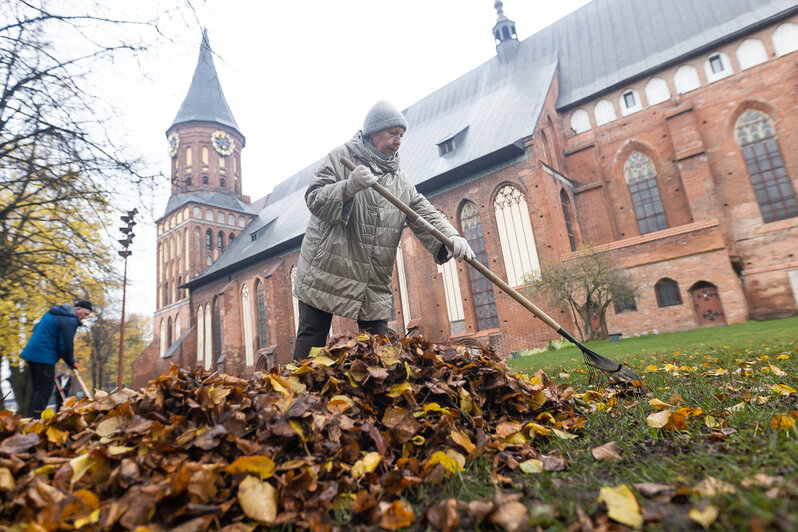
[53,338]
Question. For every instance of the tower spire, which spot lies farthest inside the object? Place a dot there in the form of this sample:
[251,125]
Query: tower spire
[205,99]
[504,33]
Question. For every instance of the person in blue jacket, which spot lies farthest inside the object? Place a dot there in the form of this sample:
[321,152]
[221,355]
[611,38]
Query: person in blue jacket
[53,338]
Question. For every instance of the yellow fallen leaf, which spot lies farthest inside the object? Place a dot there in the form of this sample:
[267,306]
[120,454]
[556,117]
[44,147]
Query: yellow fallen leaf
[7,482]
[462,439]
[340,403]
[398,389]
[323,360]
[262,466]
[622,505]
[258,499]
[650,368]
[298,429]
[659,419]
[109,426]
[564,435]
[367,464]
[448,463]
[656,404]
[115,450]
[48,413]
[782,422]
[737,407]
[56,436]
[534,428]
[783,357]
[783,389]
[314,352]
[711,422]
[80,464]
[531,466]
[704,517]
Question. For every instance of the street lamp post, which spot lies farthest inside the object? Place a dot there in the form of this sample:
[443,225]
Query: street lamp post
[127,232]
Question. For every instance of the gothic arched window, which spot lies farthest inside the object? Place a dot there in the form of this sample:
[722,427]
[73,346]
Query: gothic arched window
[515,234]
[208,240]
[208,337]
[667,291]
[294,300]
[260,297]
[773,187]
[220,242]
[482,290]
[200,334]
[169,332]
[217,329]
[641,176]
[246,316]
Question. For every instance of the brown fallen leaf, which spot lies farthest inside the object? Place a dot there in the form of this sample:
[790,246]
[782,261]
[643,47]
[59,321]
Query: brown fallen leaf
[610,451]
[651,489]
[258,499]
[510,516]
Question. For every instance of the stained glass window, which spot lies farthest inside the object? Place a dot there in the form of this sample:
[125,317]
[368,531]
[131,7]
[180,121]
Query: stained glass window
[261,302]
[773,187]
[482,290]
[641,177]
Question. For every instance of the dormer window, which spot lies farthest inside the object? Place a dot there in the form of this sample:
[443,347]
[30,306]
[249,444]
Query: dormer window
[630,102]
[447,146]
[716,64]
[453,142]
[253,236]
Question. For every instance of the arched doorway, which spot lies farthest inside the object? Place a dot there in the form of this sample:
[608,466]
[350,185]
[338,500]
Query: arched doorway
[706,303]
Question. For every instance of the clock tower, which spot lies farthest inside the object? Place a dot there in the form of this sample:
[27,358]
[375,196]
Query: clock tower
[206,209]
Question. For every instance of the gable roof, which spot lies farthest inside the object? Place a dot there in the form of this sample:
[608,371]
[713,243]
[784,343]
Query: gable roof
[490,109]
[205,99]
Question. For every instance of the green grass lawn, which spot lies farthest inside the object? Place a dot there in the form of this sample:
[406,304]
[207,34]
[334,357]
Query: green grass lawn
[727,460]
[641,349]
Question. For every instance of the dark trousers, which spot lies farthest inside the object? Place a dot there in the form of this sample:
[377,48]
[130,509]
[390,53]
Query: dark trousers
[42,378]
[314,326]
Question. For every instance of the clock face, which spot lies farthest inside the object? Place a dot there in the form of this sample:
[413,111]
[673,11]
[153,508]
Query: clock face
[223,143]
[174,143]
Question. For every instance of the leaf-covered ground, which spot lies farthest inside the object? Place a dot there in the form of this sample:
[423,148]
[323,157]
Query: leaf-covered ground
[371,435]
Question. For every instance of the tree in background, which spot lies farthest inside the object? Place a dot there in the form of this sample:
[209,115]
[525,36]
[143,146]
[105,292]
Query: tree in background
[99,347]
[587,285]
[62,174]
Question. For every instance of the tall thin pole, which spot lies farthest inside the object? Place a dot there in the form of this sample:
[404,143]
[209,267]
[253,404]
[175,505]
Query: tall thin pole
[122,330]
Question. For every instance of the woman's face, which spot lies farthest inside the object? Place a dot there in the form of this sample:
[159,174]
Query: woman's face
[388,140]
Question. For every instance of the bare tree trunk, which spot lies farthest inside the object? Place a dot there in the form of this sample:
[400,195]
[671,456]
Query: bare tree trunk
[20,383]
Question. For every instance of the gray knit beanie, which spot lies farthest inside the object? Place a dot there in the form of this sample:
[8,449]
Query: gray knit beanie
[382,116]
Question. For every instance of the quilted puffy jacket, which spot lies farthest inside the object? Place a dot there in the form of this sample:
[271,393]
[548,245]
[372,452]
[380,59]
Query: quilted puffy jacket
[349,248]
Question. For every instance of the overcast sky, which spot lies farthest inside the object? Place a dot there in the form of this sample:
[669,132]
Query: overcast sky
[299,76]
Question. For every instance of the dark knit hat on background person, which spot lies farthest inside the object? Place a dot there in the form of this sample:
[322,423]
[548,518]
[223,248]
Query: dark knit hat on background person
[84,304]
[382,116]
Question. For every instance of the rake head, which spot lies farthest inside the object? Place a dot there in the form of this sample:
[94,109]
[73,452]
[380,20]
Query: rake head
[613,370]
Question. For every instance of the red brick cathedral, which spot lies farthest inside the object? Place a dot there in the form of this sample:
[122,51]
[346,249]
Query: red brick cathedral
[663,132]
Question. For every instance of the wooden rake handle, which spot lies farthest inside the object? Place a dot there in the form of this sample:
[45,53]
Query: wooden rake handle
[492,277]
[82,384]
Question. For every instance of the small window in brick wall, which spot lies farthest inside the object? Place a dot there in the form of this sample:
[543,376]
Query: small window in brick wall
[667,291]
[624,304]
[716,63]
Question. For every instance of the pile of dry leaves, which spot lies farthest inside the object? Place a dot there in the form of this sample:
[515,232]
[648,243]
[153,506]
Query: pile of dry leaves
[347,430]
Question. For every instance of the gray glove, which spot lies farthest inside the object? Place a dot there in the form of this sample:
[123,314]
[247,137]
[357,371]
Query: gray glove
[460,249]
[361,178]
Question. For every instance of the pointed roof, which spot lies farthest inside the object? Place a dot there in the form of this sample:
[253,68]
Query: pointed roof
[205,100]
